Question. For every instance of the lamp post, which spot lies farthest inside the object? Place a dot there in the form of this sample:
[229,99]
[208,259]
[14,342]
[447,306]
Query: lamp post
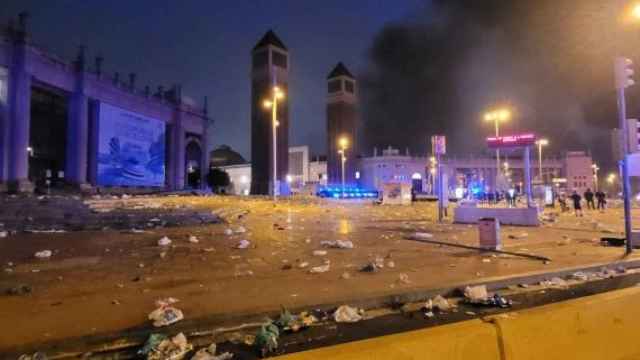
[595,176]
[273,105]
[343,143]
[497,116]
[541,143]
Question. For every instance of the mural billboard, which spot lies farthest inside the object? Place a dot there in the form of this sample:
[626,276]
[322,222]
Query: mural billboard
[130,148]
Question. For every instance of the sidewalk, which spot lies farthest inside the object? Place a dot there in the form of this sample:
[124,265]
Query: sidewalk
[105,282]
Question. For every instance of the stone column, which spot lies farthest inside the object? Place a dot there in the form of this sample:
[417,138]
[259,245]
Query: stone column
[4,127]
[204,166]
[77,129]
[92,161]
[19,121]
[178,151]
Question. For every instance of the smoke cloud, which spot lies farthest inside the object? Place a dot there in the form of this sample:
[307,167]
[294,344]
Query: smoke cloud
[549,60]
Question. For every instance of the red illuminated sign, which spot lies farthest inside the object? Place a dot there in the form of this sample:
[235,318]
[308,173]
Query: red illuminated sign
[511,141]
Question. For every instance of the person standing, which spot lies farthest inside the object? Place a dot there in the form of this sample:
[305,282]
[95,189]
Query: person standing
[588,196]
[602,200]
[577,207]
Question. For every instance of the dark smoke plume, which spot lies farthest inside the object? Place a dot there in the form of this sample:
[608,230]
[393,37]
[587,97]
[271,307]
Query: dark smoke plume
[549,60]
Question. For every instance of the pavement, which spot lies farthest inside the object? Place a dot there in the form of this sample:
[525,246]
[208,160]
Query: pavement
[102,282]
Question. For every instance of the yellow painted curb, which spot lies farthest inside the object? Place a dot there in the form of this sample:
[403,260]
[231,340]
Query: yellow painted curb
[604,326]
[471,339]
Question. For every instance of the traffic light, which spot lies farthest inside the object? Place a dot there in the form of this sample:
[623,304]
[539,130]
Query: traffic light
[623,73]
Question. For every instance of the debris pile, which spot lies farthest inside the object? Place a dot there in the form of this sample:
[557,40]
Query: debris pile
[44,254]
[209,353]
[165,241]
[478,295]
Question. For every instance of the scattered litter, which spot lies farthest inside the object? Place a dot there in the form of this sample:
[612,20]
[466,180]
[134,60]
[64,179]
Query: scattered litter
[243,244]
[193,239]
[244,273]
[319,269]
[241,230]
[165,241]
[439,303]
[209,353]
[555,282]
[476,294]
[422,236]
[370,268]
[319,253]
[209,249]
[486,260]
[165,314]
[337,244]
[19,290]
[518,236]
[347,314]
[267,339]
[429,314]
[159,347]
[228,232]
[35,356]
[580,276]
[404,278]
[470,313]
[287,267]
[4,234]
[44,254]
[391,264]
[345,276]
[303,265]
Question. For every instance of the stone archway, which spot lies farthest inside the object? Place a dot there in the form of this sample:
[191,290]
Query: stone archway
[193,162]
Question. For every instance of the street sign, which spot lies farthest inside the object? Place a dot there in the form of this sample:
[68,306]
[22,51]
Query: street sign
[520,140]
[438,145]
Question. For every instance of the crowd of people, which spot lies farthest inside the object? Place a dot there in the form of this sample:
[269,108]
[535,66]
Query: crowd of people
[589,197]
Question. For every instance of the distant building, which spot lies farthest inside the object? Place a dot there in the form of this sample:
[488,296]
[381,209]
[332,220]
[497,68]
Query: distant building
[578,171]
[270,67]
[342,118]
[225,156]
[70,124]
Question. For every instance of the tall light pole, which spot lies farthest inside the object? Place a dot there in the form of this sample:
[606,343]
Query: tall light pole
[595,175]
[541,143]
[273,105]
[343,143]
[497,116]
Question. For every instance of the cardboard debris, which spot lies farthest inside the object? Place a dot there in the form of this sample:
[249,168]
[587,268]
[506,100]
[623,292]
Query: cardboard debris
[165,241]
[44,254]
[165,314]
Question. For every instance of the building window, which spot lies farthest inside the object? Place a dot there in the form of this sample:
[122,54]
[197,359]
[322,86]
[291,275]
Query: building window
[279,59]
[349,86]
[260,59]
[334,86]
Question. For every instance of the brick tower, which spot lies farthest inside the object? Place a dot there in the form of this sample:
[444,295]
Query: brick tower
[269,68]
[342,119]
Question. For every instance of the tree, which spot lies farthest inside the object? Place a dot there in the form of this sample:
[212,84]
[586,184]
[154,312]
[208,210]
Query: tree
[218,179]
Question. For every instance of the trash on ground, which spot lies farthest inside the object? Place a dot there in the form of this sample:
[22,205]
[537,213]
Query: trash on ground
[612,241]
[556,282]
[240,230]
[347,314]
[19,290]
[160,347]
[319,253]
[165,314]
[337,244]
[44,254]
[35,356]
[370,268]
[518,236]
[422,236]
[429,314]
[243,244]
[303,265]
[209,353]
[476,294]
[267,339]
[404,278]
[193,239]
[345,275]
[320,269]
[165,241]
[438,303]
[4,234]
[228,232]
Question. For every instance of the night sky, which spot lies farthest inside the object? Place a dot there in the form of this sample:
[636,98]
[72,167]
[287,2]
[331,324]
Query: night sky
[425,67]
[206,45]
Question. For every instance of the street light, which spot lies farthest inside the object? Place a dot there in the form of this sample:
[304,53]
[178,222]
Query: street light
[273,105]
[497,116]
[595,175]
[343,143]
[541,143]
[635,11]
